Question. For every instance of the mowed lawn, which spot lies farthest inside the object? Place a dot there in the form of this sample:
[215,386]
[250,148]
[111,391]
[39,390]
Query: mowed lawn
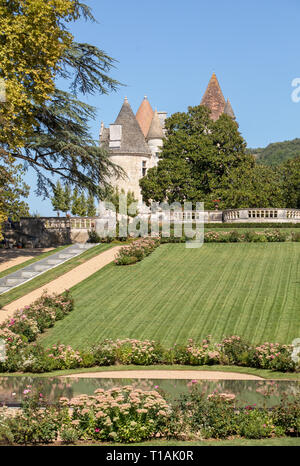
[251,290]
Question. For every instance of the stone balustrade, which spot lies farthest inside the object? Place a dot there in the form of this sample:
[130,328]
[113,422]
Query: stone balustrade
[262,215]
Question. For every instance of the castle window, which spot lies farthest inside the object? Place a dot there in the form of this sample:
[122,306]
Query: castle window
[144,168]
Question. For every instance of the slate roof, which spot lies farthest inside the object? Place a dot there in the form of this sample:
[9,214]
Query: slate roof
[144,115]
[155,130]
[228,109]
[133,140]
[213,98]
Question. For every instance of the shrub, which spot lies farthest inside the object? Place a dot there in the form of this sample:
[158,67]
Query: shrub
[34,319]
[287,415]
[211,416]
[236,350]
[119,414]
[69,435]
[205,353]
[64,357]
[105,353]
[138,352]
[234,236]
[36,422]
[296,236]
[273,356]
[136,251]
[93,237]
[275,236]
[256,424]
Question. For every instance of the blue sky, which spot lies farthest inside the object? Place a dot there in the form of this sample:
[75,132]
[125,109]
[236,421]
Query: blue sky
[168,50]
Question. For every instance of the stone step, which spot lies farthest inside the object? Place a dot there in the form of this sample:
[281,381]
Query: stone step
[35,269]
[53,262]
[65,256]
[3,289]
[25,274]
[13,281]
[75,252]
[41,268]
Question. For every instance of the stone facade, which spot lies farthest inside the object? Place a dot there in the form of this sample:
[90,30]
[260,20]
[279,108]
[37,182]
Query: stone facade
[134,143]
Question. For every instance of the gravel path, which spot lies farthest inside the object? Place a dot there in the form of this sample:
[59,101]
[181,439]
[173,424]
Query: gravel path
[11,257]
[62,283]
[161,374]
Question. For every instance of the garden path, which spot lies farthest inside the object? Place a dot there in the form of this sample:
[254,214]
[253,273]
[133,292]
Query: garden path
[167,374]
[62,283]
[11,257]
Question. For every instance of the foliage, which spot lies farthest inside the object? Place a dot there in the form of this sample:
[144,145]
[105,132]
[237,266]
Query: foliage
[25,325]
[113,196]
[119,414]
[36,422]
[287,415]
[58,198]
[78,203]
[197,155]
[277,153]
[32,43]
[41,125]
[136,251]
[250,236]
[250,186]
[291,182]
[129,414]
[12,190]
[90,206]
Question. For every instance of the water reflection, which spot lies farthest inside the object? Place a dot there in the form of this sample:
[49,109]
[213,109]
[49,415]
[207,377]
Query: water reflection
[246,391]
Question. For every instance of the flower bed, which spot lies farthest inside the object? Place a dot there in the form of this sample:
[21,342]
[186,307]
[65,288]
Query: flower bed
[235,236]
[136,251]
[121,414]
[127,414]
[233,350]
[23,328]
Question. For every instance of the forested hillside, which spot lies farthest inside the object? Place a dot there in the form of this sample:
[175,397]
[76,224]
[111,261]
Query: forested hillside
[277,153]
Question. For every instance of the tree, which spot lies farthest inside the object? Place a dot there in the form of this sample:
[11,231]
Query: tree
[50,132]
[90,203]
[67,199]
[256,186]
[79,205]
[58,197]
[290,172]
[12,190]
[62,198]
[32,42]
[197,155]
[113,196]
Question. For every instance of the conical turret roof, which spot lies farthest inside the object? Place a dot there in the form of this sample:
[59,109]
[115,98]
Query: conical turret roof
[228,109]
[213,98]
[144,116]
[132,139]
[155,130]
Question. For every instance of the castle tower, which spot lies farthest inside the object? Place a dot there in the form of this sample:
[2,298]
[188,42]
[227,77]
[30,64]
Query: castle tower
[128,149]
[213,98]
[228,110]
[155,137]
[144,116]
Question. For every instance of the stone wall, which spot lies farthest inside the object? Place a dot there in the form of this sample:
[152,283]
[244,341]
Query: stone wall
[132,166]
[52,231]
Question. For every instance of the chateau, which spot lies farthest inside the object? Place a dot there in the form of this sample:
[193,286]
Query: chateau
[135,141]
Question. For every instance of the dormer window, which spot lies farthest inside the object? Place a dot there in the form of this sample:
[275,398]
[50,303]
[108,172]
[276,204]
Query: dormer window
[144,167]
